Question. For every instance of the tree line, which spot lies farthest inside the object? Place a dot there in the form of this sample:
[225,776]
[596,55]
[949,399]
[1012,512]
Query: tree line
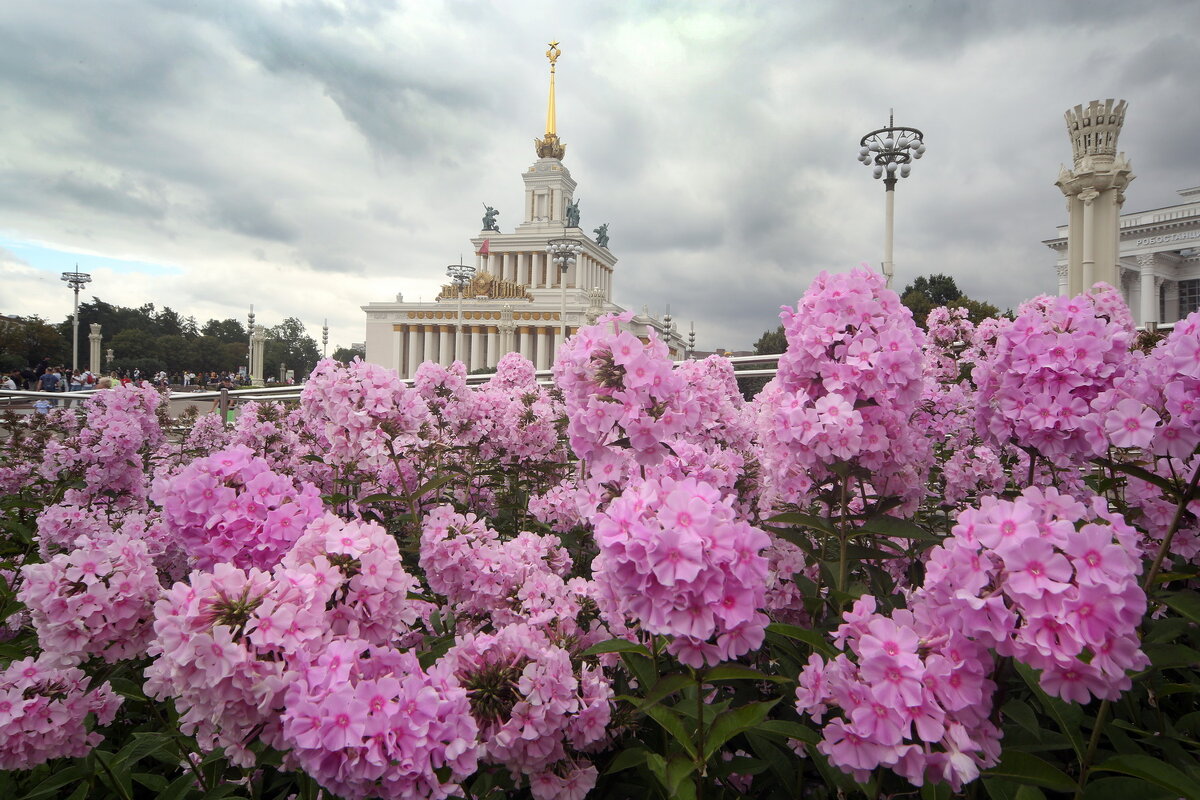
[154,340]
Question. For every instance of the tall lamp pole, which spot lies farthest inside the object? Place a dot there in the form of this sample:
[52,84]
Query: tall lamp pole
[76,280]
[891,151]
[563,253]
[460,275]
[325,339]
[250,346]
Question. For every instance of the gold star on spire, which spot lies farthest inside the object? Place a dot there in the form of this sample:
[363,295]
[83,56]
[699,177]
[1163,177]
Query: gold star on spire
[549,146]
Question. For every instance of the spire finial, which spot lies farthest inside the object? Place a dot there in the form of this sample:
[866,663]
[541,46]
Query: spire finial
[549,146]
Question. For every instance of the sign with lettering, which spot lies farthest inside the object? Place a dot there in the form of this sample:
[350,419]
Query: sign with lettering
[1167,238]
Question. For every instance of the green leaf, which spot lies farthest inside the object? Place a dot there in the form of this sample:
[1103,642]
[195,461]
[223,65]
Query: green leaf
[1027,792]
[1020,712]
[678,768]
[50,786]
[179,787]
[734,721]
[792,730]
[812,638]
[1125,788]
[1027,768]
[666,685]
[617,646]
[672,724]
[1140,472]
[1165,655]
[1154,770]
[381,497]
[896,528]
[807,520]
[1067,715]
[738,672]
[155,783]
[1186,603]
[627,759]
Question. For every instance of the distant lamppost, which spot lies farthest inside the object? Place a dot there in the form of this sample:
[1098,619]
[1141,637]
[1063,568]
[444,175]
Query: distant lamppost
[563,253]
[250,344]
[76,280]
[325,339]
[891,151]
[460,275]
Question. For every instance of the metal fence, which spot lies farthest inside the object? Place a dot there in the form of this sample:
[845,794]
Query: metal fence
[22,400]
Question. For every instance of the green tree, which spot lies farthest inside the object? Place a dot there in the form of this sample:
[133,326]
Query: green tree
[348,354]
[30,339]
[288,343]
[771,342]
[226,330]
[925,294]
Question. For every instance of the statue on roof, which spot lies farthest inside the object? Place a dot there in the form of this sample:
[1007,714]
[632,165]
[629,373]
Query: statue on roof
[602,235]
[489,218]
[573,214]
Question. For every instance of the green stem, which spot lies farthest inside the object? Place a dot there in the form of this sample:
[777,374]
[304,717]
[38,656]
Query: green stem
[1085,766]
[843,541]
[1165,547]
[700,734]
[112,778]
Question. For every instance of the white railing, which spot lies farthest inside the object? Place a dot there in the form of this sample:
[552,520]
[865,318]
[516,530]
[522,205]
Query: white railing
[25,399]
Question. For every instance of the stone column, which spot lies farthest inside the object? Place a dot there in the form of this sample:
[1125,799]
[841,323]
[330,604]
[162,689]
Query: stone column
[493,345]
[1088,262]
[1063,285]
[476,348]
[444,346]
[414,350]
[94,362]
[544,346]
[397,349]
[430,349]
[257,342]
[1149,299]
[525,341]
[1170,299]
[506,273]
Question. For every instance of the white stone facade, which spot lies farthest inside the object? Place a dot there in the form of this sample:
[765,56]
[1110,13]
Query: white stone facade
[515,303]
[1158,261]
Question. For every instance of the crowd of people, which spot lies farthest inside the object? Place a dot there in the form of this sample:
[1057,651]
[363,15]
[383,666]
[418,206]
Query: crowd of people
[48,378]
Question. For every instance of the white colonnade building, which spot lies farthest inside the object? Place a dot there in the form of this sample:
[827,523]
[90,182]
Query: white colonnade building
[1152,257]
[515,301]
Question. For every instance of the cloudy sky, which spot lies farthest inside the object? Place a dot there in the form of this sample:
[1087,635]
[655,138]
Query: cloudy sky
[314,155]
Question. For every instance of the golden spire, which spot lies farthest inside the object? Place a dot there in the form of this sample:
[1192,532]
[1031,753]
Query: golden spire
[549,146]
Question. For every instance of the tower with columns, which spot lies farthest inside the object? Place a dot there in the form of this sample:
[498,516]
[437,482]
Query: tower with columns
[514,303]
[1152,257]
[1095,191]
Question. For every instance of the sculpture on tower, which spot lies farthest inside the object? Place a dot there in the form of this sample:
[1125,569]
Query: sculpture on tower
[489,218]
[573,214]
[548,146]
[602,235]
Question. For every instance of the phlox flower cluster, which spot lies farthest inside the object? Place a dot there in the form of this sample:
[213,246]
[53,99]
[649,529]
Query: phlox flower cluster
[617,388]
[97,600]
[1049,581]
[208,433]
[535,712]
[110,452]
[455,413]
[524,416]
[361,413]
[359,563]
[676,557]
[487,580]
[230,507]
[220,642]
[43,711]
[970,472]
[1158,408]
[277,435]
[559,507]
[846,390]
[721,416]
[370,722]
[905,694]
[1157,512]
[1037,384]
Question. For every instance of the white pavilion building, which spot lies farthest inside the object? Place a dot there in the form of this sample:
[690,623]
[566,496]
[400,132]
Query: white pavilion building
[518,299]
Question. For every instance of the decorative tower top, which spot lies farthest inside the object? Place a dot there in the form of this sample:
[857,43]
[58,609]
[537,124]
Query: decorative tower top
[1094,130]
[549,146]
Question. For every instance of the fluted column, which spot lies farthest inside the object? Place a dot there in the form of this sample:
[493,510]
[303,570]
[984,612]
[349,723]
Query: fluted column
[414,349]
[476,347]
[94,363]
[493,345]
[444,351]
[544,346]
[505,266]
[525,341]
[398,351]
[430,350]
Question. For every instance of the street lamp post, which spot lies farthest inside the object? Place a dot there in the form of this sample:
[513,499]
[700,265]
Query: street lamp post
[250,344]
[325,339]
[891,151]
[76,280]
[563,252]
[460,275]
